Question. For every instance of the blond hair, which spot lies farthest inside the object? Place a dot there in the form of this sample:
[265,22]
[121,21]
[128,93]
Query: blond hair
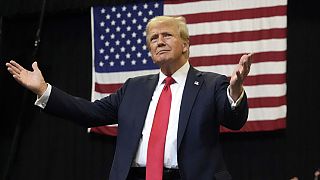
[179,21]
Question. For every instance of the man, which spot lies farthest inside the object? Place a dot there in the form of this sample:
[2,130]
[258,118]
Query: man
[190,108]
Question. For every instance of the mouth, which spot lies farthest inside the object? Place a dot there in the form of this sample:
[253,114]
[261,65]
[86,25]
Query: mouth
[162,51]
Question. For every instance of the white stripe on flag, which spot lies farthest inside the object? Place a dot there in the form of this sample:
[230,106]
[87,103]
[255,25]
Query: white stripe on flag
[216,6]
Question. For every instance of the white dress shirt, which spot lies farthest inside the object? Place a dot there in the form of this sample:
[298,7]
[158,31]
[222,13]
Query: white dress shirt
[170,156]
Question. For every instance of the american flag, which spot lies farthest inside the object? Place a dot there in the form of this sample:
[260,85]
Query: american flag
[220,32]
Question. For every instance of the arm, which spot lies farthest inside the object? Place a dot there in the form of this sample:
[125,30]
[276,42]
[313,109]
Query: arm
[63,105]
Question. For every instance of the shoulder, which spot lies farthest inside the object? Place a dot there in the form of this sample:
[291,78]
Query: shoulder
[207,75]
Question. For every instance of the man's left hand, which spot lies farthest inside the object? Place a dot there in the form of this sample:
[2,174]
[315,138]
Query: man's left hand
[239,74]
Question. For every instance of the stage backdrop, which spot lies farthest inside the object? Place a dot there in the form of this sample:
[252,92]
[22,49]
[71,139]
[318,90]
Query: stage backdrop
[220,33]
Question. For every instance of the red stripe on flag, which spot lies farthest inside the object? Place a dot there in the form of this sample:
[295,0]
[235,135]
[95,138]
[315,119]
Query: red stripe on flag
[267,125]
[234,58]
[107,88]
[250,81]
[265,79]
[267,102]
[105,130]
[179,1]
[238,36]
[236,14]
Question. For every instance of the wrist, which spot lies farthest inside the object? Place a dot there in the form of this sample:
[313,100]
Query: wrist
[235,92]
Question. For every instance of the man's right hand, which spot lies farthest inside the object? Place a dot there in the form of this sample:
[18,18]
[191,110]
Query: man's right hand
[32,80]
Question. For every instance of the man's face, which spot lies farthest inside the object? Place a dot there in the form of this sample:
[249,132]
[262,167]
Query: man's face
[165,44]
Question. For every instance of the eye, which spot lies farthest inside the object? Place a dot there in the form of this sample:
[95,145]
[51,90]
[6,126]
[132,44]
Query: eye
[153,39]
[167,35]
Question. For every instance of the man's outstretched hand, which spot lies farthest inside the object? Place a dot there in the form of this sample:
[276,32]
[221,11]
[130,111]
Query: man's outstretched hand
[32,80]
[239,74]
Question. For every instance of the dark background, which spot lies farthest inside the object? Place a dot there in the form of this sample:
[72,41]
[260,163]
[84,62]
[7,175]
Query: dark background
[50,148]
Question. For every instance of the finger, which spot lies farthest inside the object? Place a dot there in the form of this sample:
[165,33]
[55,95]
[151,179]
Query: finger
[16,65]
[13,72]
[12,69]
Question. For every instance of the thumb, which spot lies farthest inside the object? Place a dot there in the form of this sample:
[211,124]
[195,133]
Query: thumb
[35,66]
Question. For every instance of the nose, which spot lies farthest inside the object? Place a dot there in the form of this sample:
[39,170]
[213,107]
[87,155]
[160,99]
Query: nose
[161,41]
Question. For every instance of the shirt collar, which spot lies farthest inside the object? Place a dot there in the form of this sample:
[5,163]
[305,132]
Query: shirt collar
[179,76]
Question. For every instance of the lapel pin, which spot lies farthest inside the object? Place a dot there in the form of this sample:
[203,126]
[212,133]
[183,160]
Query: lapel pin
[196,83]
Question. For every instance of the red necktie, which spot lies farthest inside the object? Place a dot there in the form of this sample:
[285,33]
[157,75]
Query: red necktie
[157,139]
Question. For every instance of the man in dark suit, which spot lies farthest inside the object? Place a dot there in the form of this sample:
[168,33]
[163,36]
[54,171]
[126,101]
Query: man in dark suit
[199,103]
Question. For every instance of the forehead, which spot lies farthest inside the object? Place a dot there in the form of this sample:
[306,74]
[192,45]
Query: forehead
[162,27]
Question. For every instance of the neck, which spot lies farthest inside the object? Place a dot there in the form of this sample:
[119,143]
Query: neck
[169,69]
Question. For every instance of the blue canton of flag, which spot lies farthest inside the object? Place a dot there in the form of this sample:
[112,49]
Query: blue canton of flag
[120,38]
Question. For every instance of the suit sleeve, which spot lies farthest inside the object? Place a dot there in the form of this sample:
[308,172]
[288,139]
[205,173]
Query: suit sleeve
[84,112]
[232,119]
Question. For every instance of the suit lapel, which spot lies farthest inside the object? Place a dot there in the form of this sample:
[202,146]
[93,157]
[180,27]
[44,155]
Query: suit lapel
[141,112]
[193,84]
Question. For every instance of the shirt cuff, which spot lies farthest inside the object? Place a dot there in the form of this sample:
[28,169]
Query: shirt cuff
[232,103]
[42,101]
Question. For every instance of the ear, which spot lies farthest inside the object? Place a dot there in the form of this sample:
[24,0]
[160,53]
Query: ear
[185,47]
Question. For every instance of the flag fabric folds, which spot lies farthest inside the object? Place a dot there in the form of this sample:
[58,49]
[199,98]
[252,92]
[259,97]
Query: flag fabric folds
[220,33]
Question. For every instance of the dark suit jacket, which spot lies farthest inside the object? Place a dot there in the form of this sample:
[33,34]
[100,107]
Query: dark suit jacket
[203,108]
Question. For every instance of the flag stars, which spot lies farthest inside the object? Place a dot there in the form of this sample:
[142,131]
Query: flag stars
[123,35]
[117,56]
[144,47]
[144,61]
[149,54]
[135,7]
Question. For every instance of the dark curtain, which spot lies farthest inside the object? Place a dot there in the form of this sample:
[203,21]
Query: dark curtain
[53,148]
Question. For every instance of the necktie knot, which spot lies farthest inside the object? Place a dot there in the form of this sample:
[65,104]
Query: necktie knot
[168,81]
